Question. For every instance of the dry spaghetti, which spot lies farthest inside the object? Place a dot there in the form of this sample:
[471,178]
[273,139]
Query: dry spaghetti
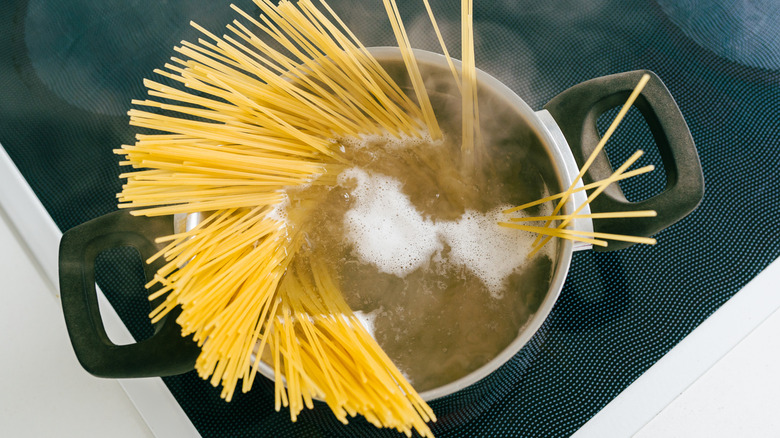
[238,123]
[546,232]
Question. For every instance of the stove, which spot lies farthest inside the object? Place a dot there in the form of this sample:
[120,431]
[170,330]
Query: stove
[68,71]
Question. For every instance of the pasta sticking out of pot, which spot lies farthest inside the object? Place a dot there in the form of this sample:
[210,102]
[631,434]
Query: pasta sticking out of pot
[545,232]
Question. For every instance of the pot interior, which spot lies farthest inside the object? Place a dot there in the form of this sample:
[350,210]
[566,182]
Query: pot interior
[447,338]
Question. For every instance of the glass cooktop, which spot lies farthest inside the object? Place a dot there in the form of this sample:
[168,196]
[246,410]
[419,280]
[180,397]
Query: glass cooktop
[68,71]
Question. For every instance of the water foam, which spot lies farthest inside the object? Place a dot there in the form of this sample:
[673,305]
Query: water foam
[384,227]
[279,210]
[387,231]
[489,251]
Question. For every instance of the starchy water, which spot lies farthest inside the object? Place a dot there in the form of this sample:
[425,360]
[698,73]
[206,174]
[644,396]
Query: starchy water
[413,241]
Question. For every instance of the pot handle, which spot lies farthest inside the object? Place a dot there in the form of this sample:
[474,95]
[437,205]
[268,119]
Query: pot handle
[577,110]
[166,352]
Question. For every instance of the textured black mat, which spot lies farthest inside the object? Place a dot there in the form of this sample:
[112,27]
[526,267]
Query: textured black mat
[69,69]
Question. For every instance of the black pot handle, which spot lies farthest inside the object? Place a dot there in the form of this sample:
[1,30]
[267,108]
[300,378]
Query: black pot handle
[577,110]
[166,352]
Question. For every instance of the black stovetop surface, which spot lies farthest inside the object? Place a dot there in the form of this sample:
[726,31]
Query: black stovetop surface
[68,71]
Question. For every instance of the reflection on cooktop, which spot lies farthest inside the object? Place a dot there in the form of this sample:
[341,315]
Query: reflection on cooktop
[93,53]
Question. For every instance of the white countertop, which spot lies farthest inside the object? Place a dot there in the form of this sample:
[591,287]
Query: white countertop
[45,392]
[721,381]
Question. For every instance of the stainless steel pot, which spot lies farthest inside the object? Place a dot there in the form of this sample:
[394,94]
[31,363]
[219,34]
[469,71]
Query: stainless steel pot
[564,133]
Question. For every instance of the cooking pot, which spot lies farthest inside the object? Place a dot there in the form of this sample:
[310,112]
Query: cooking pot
[563,135]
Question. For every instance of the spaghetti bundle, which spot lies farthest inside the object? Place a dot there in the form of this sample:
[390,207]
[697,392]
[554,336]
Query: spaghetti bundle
[244,122]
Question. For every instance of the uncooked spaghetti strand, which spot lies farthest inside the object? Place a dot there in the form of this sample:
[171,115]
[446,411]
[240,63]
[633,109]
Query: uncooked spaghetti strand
[599,183]
[313,101]
[602,142]
[249,303]
[235,354]
[287,67]
[203,57]
[619,237]
[552,232]
[181,196]
[154,183]
[413,69]
[245,272]
[212,51]
[325,285]
[356,62]
[180,240]
[191,167]
[227,159]
[285,62]
[388,83]
[176,198]
[480,151]
[334,107]
[264,324]
[257,229]
[443,46]
[158,90]
[604,215]
[235,150]
[208,81]
[365,350]
[233,198]
[174,168]
[215,306]
[229,248]
[425,411]
[188,110]
[197,207]
[324,362]
[592,196]
[187,267]
[155,89]
[316,143]
[210,131]
[267,56]
[312,51]
[173,182]
[192,76]
[151,183]
[577,234]
[199,61]
[273,101]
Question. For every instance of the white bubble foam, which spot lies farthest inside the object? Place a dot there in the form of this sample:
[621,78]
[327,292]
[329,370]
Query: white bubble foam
[388,232]
[279,211]
[384,227]
[489,251]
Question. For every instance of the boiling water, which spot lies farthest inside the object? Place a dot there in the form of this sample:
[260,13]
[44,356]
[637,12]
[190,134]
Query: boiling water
[413,240]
